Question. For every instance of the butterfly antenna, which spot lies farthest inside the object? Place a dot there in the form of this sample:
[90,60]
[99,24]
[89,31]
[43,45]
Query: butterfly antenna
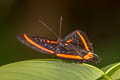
[60,27]
[48,27]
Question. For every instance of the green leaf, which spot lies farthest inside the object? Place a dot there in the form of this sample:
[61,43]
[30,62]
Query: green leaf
[50,70]
[113,71]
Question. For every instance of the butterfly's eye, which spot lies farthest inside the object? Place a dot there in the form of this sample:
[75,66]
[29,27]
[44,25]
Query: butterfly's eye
[89,55]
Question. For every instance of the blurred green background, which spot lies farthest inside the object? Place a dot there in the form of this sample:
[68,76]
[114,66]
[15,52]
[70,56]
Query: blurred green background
[100,19]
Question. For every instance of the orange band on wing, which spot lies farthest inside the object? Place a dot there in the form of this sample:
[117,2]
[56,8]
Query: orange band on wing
[37,45]
[68,56]
[54,42]
[84,42]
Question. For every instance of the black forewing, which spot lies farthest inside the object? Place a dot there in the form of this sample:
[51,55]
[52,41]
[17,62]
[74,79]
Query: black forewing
[42,42]
[77,41]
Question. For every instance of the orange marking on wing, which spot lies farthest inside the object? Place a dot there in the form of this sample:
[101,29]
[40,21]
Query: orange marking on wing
[84,42]
[68,56]
[54,42]
[68,41]
[48,41]
[37,45]
[43,40]
[89,55]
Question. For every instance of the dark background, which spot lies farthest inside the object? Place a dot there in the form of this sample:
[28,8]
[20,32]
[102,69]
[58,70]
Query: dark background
[100,19]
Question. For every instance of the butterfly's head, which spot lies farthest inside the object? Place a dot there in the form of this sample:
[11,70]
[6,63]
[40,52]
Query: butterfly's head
[90,56]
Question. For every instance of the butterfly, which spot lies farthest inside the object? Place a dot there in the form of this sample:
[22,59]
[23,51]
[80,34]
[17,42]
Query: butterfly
[74,47]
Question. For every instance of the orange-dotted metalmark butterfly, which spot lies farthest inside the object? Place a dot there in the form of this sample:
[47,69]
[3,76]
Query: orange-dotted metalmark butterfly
[75,46]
